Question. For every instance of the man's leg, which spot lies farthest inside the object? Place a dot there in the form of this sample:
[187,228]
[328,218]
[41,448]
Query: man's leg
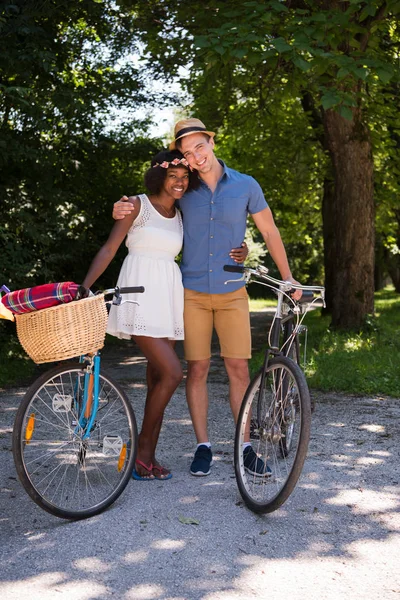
[198,318]
[197,397]
[239,379]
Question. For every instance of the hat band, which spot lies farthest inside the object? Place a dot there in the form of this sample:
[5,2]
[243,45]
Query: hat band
[189,130]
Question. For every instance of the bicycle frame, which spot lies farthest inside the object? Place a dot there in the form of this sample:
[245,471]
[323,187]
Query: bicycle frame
[282,289]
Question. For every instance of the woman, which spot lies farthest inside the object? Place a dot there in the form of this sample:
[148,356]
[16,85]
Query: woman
[153,319]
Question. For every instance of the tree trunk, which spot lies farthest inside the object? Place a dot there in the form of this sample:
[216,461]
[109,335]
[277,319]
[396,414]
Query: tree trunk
[393,267]
[352,266]
[328,230]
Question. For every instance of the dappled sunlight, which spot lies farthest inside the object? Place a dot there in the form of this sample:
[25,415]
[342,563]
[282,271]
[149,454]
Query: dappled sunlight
[144,592]
[136,557]
[168,544]
[47,586]
[356,343]
[182,421]
[134,385]
[366,461]
[373,428]
[189,499]
[91,564]
[35,537]
[365,501]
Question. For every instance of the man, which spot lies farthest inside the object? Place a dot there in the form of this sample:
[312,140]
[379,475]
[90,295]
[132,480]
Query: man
[214,221]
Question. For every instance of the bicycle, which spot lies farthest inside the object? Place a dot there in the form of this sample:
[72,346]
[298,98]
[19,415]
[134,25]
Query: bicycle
[275,415]
[75,435]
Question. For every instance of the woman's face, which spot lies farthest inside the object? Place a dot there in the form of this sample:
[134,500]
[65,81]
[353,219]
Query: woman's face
[176,181]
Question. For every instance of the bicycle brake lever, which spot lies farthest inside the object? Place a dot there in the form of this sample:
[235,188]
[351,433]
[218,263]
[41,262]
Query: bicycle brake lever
[242,278]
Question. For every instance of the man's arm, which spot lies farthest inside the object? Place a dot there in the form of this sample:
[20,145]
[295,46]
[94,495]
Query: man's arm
[123,207]
[266,225]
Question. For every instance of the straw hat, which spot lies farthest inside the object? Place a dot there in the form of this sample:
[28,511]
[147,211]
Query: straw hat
[188,127]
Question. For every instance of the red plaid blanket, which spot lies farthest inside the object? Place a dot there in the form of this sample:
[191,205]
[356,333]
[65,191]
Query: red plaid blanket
[39,297]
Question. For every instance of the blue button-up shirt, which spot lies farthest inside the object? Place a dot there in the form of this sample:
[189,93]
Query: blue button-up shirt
[213,224]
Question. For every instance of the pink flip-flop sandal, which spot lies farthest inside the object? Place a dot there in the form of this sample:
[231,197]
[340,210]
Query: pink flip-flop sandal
[149,469]
[156,468]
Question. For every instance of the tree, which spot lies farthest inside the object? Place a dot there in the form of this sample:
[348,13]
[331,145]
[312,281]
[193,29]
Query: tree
[326,54]
[64,67]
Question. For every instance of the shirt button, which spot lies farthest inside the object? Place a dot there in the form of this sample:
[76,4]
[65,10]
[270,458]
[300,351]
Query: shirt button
[210,253]
[212,202]
[211,236]
[210,270]
[212,218]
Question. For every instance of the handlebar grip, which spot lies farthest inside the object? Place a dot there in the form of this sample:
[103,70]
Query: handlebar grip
[131,290]
[307,296]
[234,268]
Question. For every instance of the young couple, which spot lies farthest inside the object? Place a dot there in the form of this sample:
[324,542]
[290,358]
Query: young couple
[188,303]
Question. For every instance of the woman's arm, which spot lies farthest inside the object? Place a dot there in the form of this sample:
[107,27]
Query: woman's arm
[109,249]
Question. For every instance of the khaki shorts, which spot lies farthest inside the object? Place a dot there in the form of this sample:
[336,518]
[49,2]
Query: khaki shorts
[228,313]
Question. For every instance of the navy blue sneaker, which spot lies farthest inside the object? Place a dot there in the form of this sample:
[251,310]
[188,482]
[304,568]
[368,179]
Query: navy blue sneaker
[202,461]
[254,465]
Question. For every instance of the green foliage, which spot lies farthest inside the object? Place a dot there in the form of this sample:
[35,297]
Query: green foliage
[282,155]
[15,366]
[364,362]
[64,67]
[250,63]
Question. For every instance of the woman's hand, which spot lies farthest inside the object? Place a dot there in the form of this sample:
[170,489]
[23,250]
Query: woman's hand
[239,255]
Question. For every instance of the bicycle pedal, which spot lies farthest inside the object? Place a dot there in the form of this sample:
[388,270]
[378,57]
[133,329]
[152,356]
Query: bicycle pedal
[112,445]
[62,403]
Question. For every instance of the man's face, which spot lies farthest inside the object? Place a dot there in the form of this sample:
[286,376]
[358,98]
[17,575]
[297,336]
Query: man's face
[199,152]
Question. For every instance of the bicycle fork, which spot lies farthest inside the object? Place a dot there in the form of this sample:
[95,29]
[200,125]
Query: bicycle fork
[90,398]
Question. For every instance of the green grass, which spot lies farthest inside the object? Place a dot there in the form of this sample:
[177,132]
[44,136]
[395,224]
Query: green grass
[366,362]
[260,303]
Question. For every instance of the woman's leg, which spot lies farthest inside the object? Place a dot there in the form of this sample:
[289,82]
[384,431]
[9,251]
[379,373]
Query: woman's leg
[164,373]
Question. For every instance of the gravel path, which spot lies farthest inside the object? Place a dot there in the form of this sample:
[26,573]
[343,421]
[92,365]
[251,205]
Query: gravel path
[336,537]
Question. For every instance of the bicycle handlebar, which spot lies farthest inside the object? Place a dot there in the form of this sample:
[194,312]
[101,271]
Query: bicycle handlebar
[262,273]
[117,291]
[138,289]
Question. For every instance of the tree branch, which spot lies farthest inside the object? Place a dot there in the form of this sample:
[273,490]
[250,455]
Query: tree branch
[364,38]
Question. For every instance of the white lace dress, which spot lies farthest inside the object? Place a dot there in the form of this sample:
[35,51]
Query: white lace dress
[153,242]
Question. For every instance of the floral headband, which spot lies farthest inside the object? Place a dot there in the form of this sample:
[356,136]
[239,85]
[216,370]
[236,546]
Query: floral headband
[177,161]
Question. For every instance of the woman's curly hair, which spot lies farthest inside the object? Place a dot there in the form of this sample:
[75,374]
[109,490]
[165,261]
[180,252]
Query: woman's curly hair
[155,176]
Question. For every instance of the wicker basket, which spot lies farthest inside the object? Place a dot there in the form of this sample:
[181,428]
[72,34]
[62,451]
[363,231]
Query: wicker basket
[64,331]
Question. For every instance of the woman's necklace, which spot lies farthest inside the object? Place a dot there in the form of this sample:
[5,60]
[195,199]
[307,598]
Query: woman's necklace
[169,213]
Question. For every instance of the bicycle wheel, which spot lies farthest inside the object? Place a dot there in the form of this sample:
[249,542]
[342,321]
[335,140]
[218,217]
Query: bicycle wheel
[283,409]
[64,473]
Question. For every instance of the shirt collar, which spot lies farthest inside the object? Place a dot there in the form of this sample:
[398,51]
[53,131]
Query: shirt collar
[225,171]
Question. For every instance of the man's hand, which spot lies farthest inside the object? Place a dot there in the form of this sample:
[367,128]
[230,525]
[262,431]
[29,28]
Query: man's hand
[123,207]
[239,255]
[297,294]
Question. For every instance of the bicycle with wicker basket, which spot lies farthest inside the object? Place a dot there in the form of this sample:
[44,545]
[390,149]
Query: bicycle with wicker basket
[75,433]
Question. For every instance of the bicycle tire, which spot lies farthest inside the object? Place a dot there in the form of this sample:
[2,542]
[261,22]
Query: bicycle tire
[264,494]
[64,474]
